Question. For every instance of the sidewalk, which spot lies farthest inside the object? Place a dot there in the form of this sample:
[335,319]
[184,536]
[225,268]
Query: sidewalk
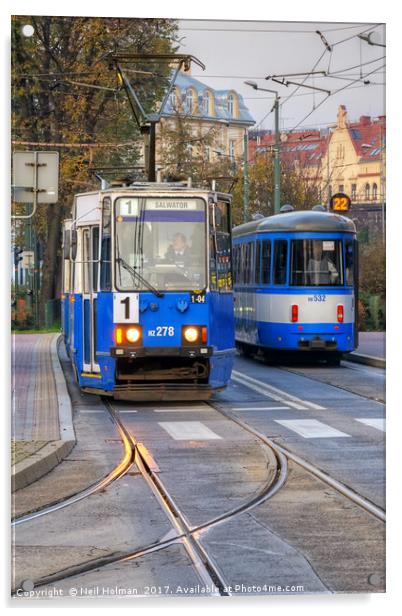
[42,430]
[371,349]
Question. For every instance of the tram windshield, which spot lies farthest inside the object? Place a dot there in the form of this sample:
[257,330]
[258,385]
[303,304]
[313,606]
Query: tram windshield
[316,263]
[160,242]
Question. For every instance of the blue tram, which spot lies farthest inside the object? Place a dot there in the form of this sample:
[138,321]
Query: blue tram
[147,298]
[295,281]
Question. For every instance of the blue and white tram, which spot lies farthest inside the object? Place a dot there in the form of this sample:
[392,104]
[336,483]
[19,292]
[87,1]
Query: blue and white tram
[147,298]
[295,281]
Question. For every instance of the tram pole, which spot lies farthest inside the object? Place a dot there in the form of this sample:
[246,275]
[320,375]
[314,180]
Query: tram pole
[277,146]
[245,179]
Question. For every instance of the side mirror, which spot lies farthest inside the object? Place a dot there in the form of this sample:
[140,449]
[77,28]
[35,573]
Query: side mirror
[73,243]
[66,244]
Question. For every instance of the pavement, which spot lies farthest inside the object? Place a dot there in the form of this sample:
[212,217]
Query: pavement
[371,349]
[42,426]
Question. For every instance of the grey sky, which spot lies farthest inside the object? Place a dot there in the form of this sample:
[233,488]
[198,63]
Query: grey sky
[234,51]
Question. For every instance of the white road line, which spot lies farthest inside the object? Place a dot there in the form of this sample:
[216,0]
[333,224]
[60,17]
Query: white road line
[275,393]
[183,409]
[128,411]
[377,423]
[91,411]
[310,428]
[260,408]
[188,430]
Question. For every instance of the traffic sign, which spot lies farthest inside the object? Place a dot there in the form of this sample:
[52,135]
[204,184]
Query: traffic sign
[36,177]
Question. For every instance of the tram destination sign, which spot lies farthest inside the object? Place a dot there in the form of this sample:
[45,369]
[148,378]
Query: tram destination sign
[340,202]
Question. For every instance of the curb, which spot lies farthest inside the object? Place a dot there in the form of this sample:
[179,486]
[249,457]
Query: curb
[368,360]
[50,455]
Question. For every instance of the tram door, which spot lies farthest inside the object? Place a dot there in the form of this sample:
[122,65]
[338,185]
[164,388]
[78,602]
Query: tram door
[90,264]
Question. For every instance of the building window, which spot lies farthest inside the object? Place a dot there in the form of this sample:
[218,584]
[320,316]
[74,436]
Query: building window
[353,195]
[207,153]
[367,192]
[341,188]
[206,105]
[374,194]
[173,99]
[231,150]
[231,105]
[190,101]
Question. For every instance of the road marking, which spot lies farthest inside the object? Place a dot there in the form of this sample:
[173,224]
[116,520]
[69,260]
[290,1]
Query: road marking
[275,393]
[310,428]
[128,411]
[377,423]
[188,430]
[182,409]
[92,410]
[260,408]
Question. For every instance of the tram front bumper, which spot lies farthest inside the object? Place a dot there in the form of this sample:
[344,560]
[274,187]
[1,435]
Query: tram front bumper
[184,351]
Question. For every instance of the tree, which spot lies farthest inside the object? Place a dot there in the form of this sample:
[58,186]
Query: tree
[64,91]
[298,187]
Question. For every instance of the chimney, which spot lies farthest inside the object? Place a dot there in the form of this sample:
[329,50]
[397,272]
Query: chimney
[365,120]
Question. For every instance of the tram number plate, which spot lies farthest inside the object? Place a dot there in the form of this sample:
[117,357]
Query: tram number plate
[125,308]
[317,298]
[198,297]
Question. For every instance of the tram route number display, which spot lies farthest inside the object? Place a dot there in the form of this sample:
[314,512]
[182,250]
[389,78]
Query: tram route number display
[340,203]
[125,308]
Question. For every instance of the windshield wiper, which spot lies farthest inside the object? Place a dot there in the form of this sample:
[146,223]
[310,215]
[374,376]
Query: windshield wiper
[140,278]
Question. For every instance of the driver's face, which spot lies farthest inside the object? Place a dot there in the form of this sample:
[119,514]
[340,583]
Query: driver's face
[179,243]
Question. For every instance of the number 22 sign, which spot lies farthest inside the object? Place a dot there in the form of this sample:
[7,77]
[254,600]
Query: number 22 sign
[125,308]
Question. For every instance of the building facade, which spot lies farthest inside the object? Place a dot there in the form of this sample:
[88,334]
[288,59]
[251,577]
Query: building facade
[216,121]
[347,157]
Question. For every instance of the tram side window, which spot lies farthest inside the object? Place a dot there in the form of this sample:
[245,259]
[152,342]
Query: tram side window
[350,262]
[223,242]
[105,278]
[280,261]
[266,262]
[95,257]
[257,262]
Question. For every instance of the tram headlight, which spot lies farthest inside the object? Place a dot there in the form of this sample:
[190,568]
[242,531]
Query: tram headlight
[191,334]
[133,334]
[194,334]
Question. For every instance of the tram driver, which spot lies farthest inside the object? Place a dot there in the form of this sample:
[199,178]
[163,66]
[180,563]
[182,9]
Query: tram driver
[320,269]
[179,251]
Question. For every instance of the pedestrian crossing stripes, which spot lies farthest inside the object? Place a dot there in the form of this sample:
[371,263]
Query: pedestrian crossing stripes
[188,430]
[377,423]
[311,428]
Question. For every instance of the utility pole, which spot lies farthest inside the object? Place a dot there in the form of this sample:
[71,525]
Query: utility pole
[277,146]
[245,178]
[277,160]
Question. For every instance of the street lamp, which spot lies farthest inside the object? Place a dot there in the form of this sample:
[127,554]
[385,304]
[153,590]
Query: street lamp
[277,166]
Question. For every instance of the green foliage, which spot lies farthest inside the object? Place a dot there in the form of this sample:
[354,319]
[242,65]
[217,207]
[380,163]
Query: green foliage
[296,188]
[65,91]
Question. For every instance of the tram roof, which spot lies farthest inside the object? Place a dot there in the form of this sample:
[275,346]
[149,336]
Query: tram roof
[156,187]
[301,220]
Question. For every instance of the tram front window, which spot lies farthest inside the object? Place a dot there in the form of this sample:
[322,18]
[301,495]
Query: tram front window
[316,263]
[160,242]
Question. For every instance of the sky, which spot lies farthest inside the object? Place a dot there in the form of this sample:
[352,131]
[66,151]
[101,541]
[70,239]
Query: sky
[236,51]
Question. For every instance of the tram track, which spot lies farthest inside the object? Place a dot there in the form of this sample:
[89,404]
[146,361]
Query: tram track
[345,365]
[185,533]
[340,487]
